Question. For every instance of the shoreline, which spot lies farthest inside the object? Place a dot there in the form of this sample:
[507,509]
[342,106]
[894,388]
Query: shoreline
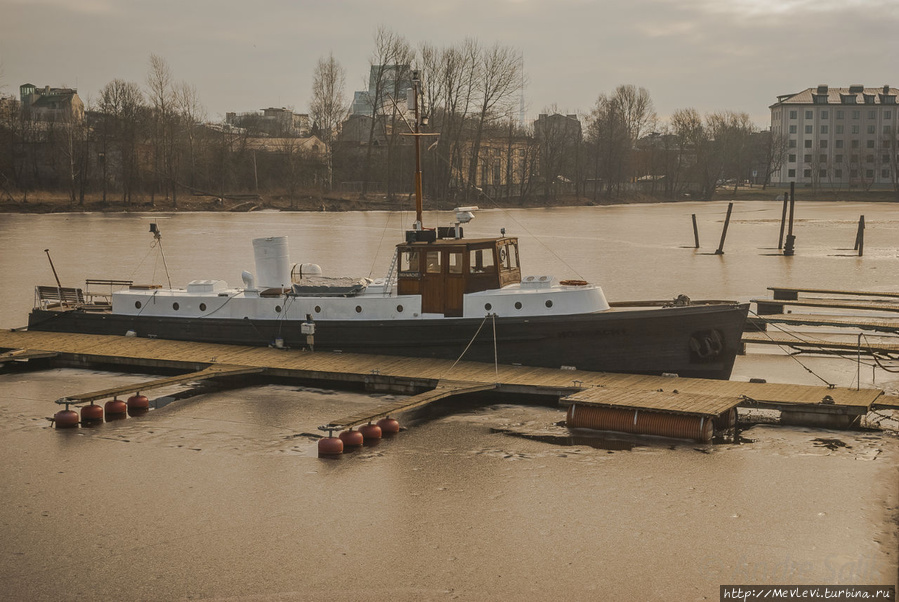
[244,203]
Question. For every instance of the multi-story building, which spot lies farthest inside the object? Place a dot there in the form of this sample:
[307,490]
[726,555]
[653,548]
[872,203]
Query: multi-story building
[838,137]
[52,104]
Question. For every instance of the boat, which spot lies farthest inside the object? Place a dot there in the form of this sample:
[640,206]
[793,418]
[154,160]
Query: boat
[444,296]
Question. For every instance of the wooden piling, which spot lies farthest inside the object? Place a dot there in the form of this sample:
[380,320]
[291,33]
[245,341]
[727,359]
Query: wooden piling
[783,222]
[695,231]
[720,250]
[791,240]
[860,237]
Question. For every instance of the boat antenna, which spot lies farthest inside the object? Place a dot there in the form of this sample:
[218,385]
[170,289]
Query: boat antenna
[55,275]
[158,236]
[416,90]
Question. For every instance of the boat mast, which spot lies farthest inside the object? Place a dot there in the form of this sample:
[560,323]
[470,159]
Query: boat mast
[416,86]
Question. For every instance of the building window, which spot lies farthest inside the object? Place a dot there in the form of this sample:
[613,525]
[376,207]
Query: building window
[822,158]
[793,114]
[792,159]
[869,158]
[853,173]
[887,114]
[824,129]
[855,129]
[808,129]
[822,173]
[791,173]
[854,144]
[853,158]
[792,129]
[885,173]
[886,129]
[823,143]
[808,144]
[869,144]
[871,115]
[792,144]
[808,114]
[838,173]
[885,159]
[838,158]
[825,114]
[870,129]
[839,114]
[839,129]
[806,173]
[856,114]
[839,143]
[807,158]
[869,173]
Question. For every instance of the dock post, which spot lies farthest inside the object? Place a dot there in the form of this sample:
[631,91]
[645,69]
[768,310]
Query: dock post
[720,250]
[791,240]
[860,237]
[783,222]
[695,231]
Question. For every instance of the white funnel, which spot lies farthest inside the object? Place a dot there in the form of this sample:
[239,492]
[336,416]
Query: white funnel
[272,262]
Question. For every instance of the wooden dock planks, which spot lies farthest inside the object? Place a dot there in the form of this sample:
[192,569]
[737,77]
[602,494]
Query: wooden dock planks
[889,325]
[659,401]
[444,389]
[424,372]
[803,342]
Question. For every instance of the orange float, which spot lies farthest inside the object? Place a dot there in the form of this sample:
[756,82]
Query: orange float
[389,426]
[91,413]
[115,409]
[370,432]
[66,419]
[329,446]
[351,438]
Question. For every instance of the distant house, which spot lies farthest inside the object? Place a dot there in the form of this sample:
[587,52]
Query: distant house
[310,146]
[273,122]
[51,104]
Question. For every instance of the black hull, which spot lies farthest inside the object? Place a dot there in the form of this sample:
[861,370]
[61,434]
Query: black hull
[695,341]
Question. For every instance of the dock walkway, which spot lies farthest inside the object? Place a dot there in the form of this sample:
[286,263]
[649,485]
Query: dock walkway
[419,375]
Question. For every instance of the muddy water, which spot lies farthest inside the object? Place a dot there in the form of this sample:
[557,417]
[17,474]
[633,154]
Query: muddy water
[220,495]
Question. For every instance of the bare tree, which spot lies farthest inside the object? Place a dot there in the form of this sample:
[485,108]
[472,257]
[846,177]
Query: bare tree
[190,113]
[496,81]
[121,107]
[160,90]
[329,106]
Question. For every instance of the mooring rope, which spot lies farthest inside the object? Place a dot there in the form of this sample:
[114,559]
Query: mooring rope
[464,351]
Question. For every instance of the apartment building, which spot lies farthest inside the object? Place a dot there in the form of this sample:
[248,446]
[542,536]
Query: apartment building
[838,137]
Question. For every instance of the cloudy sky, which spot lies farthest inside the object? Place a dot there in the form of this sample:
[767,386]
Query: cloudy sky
[241,56]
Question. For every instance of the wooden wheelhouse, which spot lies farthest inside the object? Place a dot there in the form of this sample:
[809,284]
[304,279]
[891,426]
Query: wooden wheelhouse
[443,270]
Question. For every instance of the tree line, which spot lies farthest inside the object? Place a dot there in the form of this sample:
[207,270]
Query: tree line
[151,142]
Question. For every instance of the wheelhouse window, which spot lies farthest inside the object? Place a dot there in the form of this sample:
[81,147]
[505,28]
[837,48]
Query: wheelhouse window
[454,263]
[409,261]
[508,256]
[432,262]
[481,261]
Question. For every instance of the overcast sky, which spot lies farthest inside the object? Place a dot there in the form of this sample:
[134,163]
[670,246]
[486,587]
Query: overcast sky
[242,56]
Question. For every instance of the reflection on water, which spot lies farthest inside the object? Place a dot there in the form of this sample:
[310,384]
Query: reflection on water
[218,493]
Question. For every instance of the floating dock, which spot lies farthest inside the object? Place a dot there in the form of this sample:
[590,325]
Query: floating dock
[433,379]
[796,297]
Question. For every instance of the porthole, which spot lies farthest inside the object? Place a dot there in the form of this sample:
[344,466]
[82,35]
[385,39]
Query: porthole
[549,302]
[277,309]
[318,309]
[518,305]
[175,306]
[358,309]
[137,304]
[488,307]
[202,307]
[399,308]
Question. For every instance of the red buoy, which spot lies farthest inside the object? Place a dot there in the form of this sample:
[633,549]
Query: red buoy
[91,413]
[138,402]
[330,446]
[389,426]
[66,419]
[351,438]
[370,431]
[115,409]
